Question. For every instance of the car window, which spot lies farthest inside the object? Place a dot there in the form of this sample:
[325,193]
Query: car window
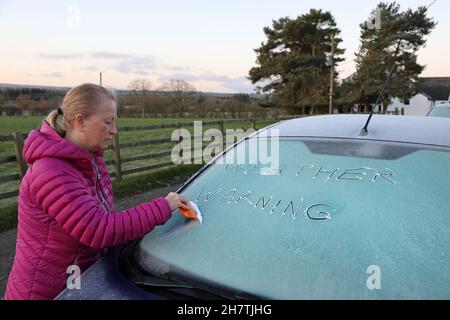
[321,224]
[440,112]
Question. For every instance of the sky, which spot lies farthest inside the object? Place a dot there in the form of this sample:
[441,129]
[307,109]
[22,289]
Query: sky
[210,44]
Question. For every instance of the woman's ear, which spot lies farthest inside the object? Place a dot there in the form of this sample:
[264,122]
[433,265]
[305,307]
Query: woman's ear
[79,121]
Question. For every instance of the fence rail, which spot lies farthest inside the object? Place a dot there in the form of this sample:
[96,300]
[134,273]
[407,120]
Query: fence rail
[117,159]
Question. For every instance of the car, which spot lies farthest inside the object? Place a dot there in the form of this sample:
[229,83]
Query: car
[441,110]
[323,212]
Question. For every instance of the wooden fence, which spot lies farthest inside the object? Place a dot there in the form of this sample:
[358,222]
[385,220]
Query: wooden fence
[117,159]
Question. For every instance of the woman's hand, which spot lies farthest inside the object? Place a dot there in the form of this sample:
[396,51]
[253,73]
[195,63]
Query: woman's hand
[176,200]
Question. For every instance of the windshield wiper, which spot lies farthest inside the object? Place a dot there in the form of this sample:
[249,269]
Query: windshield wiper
[155,283]
[176,284]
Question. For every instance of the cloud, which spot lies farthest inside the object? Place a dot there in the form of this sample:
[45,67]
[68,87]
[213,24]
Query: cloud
[142,73]
[123,63]
[59,56]
[88,68]
[110,55]
[176,68]
[127,63]
[180,76]
[52,75]
[135,65]
[235,84]
[95,55]
[240,84]
[145,66]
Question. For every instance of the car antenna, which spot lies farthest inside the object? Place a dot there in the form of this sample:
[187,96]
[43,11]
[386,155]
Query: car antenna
[364,129]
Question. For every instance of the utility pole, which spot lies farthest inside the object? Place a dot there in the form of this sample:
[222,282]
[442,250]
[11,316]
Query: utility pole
[330,106]
[101,79]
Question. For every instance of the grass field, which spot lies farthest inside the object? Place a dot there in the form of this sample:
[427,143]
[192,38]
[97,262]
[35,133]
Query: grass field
[25,124]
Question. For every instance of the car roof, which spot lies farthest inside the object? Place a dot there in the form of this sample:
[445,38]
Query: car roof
[408,129]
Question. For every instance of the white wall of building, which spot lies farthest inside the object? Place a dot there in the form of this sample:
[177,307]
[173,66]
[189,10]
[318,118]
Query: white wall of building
[419,105]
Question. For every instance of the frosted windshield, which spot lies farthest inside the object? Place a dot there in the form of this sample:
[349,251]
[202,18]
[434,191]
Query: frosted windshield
[318,224]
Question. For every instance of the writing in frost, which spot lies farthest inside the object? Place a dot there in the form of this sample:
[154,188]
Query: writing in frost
[313,211]
[318,211]
[319,172]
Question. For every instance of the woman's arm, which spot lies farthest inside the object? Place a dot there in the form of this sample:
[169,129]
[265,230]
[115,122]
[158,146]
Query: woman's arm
[67,200]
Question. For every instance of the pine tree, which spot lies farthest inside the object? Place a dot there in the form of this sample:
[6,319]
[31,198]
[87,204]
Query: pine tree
[397,39]
[291,64]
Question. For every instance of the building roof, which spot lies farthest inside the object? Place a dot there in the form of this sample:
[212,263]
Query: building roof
[435,88]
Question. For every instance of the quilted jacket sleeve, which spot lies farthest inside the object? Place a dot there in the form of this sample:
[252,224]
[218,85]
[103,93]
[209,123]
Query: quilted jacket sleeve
[67,200]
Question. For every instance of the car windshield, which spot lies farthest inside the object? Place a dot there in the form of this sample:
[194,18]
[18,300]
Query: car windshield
[440,112]
[318,224]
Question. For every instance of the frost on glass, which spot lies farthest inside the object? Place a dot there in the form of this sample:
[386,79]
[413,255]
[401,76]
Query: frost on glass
[313,226]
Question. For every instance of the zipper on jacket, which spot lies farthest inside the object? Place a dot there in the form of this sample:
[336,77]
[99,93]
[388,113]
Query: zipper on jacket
[96,181]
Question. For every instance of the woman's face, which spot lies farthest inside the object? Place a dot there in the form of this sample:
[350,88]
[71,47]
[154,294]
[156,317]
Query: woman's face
[97,130]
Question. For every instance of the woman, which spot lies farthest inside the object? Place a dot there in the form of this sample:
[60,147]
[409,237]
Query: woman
[66,205]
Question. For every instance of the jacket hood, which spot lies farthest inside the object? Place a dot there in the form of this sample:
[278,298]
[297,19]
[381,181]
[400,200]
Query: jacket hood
[47,143]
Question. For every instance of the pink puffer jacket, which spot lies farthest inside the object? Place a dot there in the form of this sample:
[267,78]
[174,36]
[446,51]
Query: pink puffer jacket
[67,216]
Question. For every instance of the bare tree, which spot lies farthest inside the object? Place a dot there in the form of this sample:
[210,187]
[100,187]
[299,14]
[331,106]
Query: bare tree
[180,90]
[141,87]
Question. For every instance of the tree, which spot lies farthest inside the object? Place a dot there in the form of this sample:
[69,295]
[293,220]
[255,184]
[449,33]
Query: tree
[24,101]
[291,64]
[394,43]
[141,87]
[179,90]
[242,97]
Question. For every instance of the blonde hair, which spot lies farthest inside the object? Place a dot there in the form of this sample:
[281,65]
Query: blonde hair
[83,99]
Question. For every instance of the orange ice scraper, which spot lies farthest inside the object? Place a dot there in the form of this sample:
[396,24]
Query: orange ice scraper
[193,212]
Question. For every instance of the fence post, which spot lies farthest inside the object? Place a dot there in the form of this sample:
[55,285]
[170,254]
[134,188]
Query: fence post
[116,157]
[18,146]
[253,121]
[222,129]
